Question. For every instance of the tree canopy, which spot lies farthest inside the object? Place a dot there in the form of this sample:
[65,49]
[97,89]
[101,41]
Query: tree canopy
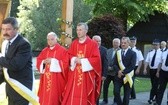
[39,17]
[129,11]
[14,10]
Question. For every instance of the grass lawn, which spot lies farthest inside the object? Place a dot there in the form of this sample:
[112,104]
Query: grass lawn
[141,85]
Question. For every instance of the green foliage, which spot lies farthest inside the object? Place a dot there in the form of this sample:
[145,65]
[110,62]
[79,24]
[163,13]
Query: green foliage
[140,84]
[36,20]
[81,13]
[14,9]
[128,10]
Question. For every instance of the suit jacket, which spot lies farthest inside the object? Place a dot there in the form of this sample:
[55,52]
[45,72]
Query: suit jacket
[110,58]
[104,61]
[129,62]
[18,61]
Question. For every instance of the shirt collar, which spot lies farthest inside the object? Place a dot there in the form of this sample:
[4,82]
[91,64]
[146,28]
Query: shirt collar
[125,50]
[134,47]
[11,41]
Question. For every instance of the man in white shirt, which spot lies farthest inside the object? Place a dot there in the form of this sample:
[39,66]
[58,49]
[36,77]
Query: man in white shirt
[162,73]
[139,60]
[153,60]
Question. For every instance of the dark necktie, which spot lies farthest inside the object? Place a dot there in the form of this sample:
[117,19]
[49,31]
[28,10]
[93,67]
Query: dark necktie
[153,59]
[166,62]
[7,47]
[123,54]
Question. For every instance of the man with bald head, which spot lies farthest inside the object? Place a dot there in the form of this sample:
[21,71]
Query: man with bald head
[52,64]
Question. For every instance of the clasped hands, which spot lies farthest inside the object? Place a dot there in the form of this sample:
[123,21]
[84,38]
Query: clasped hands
[120,74]
[78,60]
[47,61]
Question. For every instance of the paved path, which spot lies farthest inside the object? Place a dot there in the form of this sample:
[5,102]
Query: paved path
[141,99]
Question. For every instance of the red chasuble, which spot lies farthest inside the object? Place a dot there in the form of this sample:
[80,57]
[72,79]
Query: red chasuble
[52,84]
[83,88]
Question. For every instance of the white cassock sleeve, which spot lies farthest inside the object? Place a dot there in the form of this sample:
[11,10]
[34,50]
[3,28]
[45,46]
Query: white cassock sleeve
[55,66]
[73,64]
[42,70]
[86,66]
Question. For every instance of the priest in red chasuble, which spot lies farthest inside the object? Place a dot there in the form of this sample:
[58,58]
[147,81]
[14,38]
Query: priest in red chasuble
[84,77]
[52,63]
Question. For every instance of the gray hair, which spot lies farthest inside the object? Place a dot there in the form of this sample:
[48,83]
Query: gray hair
[96,36]
[126,38]
[12,21]
[83,24]
[164,43]
[117,40]
[52,33]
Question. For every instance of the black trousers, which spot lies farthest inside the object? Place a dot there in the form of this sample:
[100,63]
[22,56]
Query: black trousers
[118,83]
[154,83]
[133,93]
[20,101]
[15,98]
[106,84]
[163,80]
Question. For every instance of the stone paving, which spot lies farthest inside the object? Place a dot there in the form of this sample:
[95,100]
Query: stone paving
[141,99]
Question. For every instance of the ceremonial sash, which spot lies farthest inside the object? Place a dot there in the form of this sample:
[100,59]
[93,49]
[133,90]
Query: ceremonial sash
[17,86]
[128,77]
[21,89]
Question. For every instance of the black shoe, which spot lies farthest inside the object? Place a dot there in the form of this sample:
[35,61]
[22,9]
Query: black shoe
[150,101]
[132,98]
[103,103]
[155,104]
[114,103]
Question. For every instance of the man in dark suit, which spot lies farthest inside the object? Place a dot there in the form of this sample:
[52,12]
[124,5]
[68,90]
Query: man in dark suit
[17,59]
[124,63]
[104,61]
[110,71]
